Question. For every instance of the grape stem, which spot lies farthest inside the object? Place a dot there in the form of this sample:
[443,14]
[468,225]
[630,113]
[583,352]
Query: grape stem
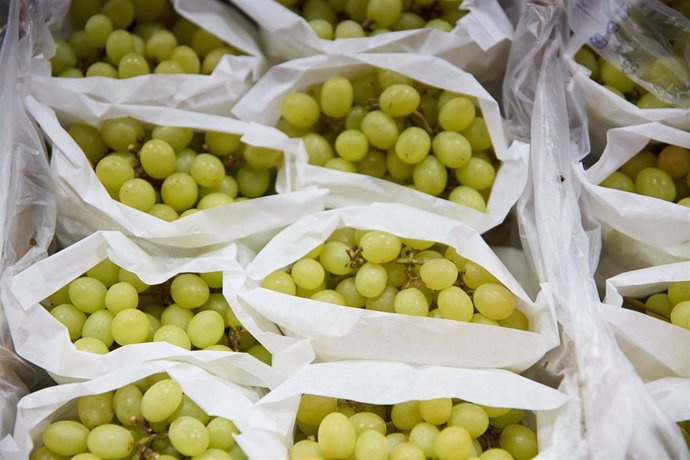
[638,305]
[235,336]
[356,259]
[147,453]
[421,119]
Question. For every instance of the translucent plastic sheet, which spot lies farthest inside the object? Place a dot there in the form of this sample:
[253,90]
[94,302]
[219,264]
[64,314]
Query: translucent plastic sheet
[618,417]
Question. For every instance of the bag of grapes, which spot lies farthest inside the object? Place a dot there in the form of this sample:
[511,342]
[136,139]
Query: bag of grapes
[104,303]
[474,35]
[163,410]
[164,174]
[387,281]
[394,128]
[640,192]
[653,326]
[197,55]
[370,409]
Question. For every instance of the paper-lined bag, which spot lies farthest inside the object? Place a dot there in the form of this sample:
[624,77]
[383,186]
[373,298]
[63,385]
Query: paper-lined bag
[641,230]
[478,43]
[382,382]
[671,394]
[231,399]
[262,105]
[657,349]
[215,93]
[41,339]
[84,205]
[337,332]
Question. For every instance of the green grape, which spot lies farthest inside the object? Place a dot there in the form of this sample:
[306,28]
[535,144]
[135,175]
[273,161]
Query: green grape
[300,110]
[214,200]
[399,170]
[185,158]
[611,76]
[340,164]
[588,59]
[396,274]
[189,408]
[348,289]
[161,400]
[65,437]
[307,273]
[253,182]
[352,145]
[130,326]
[453,442]
[213,58]
[306,450]
[187,58]
[177,138]
[168,67]
[312,409]
[438,274]
[97,29]
[452,149]
[423,435]
[329,296]
[154,325]
[371,279]
[177,316]
[43,453]
[121,133]
[439,24]
[407,451]
[183,30]
[110,442]
[95,410]
[475,275]
[158,159]
[344,235]
[436,411]
[477,174]
[71,73]
[70,317]
[478,318]
[89,141]
[126,404]
[221,433]
[380,247]
[262,157]
[457,114]
[336,97]
[674,161]
[173,335]
[319,151]
[119,44]
[388,78]
[494,301]
[64,57]
[406,415]
[679,291]
[322,28]
[413,145]
[279,281]
[467,196]
[121,296]
[380,129]
[221,144]
[365,421]
[91,345]
[81,10]
[101,69]
[319,9]
[205,329]
[132,65]
[680,315]
[510,417]
[113,171]
[138,194]
[478,135]
[496,454]
[189,291]
[161,45]
[131,278]
[335,259]
[87,294]
[642,160]
[348,29]
[371,445]
[619,181]
[86,456]
[650,101]
[408,21]
[353,119]
[207,170]
[430,176]
[227,187]
[336,436]
[394,439]
[471,417]
[204,42]
[189,436]
[121,12]
[217,303]
[519,441]
[98,326]
[655,183]
[144,30]
[179,191]
[517,320]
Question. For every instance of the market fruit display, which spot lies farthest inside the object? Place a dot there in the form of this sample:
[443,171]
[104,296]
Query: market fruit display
[337,19]
[171,172]
[385,125]
[149,419]
[660,171]
[109,307]
[443,428]
[671,305]
[127,38]
[378,271]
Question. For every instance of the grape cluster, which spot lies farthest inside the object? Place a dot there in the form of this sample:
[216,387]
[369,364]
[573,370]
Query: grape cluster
[660,171]
[110,307]
[379,271]
[127,38]
[334,19]
[444,428]
[161,172]
[385,125]
[613,79]
[149,419]
[672,305]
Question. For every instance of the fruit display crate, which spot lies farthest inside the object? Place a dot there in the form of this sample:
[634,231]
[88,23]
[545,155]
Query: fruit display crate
[344,229]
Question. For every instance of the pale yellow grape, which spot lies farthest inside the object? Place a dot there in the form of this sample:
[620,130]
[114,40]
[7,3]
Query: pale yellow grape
[189,291]
[519,441]
[319,150]
[399,100]
[373,164]
[71,317]
[452,149]
[619,181]
[335,259]
[351,145]
[476,173]
[380,247]
[494,301]
[340,164]
[457,114]
[121,296]
[176,315]
[475,275]
[365,421]
[655,183]
[188,408]
[113,172]
[179,191]
[221,431]
[121,12]
[478,318]
[454,303]
[307,450]
[423,435]
[173,335]
[161,400]
[436,411]
[411,301]
[322,28]
[214,200]
[89,139]
[99,326]
[91,345]
[467,196]
[371,445]
[678,291]
[307,273]
[371,280]
[280,281]
[130,326]
[138,194]
[87,294]
[510,417]
[126,404]
[348,29]
[300,109]
[189,436]
[680,315]
[407,451]
[348,289]
[94,410]
[65,437]
[610,75]
[438,274]
[517,320]
[262,157]
[132,65]
[471,417]
[212,59]
[336,97]
[477,134]
[336,436]
[187,58]
[430,176]
[98,27]
[380,129]
[642,160]
[64,58]
[406,415]
[496,454]
[413,145]
[204,42]
[398,169]
[329,296]
[453,443]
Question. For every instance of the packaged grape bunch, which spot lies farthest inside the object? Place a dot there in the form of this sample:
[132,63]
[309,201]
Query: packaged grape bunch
[393,128]
[104,303]
[471,34]
[164,410]
[653,325]
[381,409]
[387,281]
[175,177]
[192,55]
[639,190]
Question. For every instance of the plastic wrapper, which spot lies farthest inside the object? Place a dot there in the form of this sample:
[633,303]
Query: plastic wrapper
[231,399]
[478,43]
[262,105]
[657,349]
[337,332]
[84,205]
[562,239]
[215,93]
[383,382]
[44,341]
